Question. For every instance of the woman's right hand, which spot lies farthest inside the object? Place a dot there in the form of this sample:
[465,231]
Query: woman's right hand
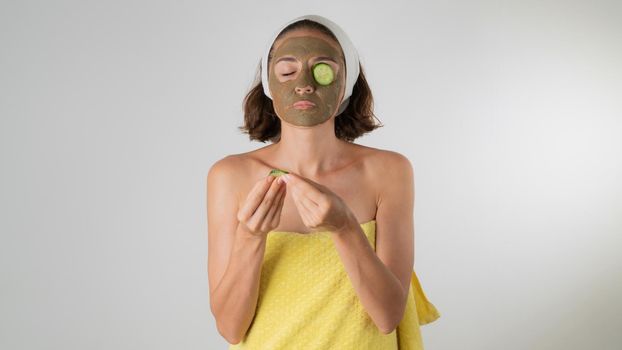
[261,211]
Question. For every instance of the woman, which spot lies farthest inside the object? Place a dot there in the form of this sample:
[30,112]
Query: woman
[320,258]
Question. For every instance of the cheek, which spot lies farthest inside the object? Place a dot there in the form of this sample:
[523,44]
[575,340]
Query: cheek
[279,101]
[274,83]
[333,91]
[277,90]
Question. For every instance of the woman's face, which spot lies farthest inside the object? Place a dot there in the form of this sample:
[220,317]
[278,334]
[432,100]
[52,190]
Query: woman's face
[291,78]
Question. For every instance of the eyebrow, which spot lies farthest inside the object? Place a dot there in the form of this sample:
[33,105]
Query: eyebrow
[291,59]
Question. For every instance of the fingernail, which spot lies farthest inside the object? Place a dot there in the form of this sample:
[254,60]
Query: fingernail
[285,178]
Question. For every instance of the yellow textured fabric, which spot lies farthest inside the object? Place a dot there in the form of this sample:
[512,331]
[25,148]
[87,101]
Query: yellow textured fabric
[306,301]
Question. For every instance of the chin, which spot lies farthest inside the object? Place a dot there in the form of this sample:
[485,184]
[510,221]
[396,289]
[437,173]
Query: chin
[308,123]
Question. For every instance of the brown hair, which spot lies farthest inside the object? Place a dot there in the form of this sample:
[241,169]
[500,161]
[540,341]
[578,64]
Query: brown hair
[262,124]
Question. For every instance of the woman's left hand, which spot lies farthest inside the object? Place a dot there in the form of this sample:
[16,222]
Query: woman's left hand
[319,207]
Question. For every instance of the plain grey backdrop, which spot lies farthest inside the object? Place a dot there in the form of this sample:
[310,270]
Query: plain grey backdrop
[112,112]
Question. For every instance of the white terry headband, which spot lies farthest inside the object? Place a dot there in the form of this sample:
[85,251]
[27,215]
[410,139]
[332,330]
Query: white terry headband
[350,53]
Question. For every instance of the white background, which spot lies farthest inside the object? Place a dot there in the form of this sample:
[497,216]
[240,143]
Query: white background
[112,112]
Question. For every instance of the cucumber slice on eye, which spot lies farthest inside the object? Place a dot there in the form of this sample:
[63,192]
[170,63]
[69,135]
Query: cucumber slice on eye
[323,73]
[277,172]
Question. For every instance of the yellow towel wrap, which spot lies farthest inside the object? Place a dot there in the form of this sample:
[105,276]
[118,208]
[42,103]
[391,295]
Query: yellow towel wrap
[306,301]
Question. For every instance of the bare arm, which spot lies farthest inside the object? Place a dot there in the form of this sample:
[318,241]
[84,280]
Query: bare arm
[382,278]
[237,242]
[234,300]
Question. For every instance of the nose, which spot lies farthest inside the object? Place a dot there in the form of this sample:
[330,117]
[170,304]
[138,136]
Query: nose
[304,85]
[304,90]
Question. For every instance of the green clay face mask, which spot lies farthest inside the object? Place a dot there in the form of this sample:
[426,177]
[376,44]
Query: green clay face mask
[301,70]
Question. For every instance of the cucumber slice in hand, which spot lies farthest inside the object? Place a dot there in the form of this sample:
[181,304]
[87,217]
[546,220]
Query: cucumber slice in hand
[277,172]
[323,73]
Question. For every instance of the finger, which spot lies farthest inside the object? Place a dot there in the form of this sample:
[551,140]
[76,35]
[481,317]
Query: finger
[312,217]
[255,196]
[312,207]
[302,184]
[273,208]
[303,210]
[259,216]
[274,220]
[277,217]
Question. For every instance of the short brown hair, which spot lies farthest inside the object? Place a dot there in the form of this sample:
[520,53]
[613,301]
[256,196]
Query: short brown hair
[262,124]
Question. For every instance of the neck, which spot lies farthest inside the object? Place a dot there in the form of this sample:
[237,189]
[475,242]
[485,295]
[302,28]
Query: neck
[309,151]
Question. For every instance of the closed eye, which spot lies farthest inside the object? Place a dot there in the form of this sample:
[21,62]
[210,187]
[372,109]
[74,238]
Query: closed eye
[289,73]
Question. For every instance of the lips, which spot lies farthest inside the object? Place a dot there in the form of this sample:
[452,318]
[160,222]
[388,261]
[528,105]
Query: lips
[304,104]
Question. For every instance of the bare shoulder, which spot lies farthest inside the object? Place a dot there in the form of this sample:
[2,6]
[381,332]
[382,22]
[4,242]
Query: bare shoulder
[228,172]
[380,162]
[225,167]
[386,170]
[238,172]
